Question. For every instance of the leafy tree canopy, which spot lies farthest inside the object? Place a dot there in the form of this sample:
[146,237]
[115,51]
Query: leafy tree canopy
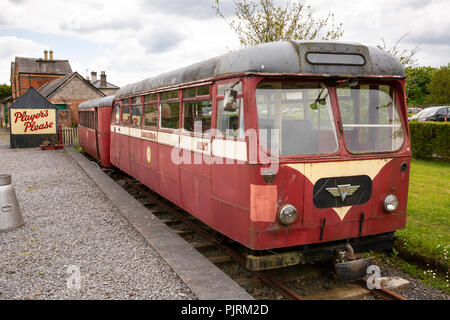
[5,91]
[417,80]
[439,87]
[261,21]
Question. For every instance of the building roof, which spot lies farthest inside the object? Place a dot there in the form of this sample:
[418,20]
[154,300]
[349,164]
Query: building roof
[284,57]
[95,103]
[97,84]
[32,99]
[51,87]
[41,66]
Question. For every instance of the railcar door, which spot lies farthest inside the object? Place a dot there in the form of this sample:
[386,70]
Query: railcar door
[230,171]
[124,133]
[115,136]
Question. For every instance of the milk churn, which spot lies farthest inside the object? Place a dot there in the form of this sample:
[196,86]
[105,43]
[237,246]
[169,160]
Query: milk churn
[10,215]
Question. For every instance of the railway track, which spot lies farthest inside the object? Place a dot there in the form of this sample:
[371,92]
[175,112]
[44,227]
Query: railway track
[229,255]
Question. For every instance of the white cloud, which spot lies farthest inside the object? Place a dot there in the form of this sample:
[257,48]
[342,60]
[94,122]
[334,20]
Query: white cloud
[135,39]
[12,47]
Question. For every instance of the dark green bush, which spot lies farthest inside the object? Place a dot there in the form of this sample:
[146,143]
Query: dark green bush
[430,140]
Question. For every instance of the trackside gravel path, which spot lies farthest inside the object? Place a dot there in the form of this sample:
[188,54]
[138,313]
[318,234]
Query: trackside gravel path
[70,222]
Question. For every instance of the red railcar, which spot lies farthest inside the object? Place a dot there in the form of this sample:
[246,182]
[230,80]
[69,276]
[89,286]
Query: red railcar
[298,145]
[94,128]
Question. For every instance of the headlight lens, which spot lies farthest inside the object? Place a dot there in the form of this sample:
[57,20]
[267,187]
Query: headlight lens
[390,203]
[287,215]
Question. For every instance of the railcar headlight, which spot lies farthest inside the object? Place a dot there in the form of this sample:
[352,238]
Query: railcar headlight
[390,203]
[287,215]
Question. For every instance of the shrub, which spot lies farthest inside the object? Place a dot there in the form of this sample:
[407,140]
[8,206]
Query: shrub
[430,140]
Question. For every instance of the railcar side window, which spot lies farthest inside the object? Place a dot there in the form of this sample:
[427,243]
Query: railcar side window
[370,118]
[295,118]
[136,116]
[197,110]
[126,115]
[117,114]
[151,115]
[169,110]
[230,123]
[197,115]
[136,111]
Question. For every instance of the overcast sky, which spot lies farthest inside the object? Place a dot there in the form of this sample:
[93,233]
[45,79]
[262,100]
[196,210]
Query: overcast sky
[135,39]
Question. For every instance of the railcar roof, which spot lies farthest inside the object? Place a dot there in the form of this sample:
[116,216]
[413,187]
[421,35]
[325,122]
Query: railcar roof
[284,57]
[95,103]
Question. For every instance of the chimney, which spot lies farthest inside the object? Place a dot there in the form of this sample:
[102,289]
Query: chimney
[88,79]
[93,76]
[51,55]
[45,55]
[103,83]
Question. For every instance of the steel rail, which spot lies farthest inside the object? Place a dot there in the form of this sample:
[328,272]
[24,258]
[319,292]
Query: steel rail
[285,291]
[265,277]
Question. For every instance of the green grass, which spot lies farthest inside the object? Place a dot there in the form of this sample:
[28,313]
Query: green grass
[427,233]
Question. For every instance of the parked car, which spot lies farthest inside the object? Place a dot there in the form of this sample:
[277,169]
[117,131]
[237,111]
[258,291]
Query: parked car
[413,111]
[441,114]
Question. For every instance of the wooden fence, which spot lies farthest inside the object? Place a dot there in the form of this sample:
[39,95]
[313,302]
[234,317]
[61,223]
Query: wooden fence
[69,137]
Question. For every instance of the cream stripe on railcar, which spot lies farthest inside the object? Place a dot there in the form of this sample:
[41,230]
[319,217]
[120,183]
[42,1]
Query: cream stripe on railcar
[230,149]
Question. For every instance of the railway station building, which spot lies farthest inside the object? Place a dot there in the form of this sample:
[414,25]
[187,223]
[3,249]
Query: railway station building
[101,84]
[66,93]
[29,73]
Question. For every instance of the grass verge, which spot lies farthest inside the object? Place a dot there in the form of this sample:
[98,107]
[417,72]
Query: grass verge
[427,233]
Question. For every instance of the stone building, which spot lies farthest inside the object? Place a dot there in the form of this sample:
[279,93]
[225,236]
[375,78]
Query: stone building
[107,88]
[29,73]
[67,93]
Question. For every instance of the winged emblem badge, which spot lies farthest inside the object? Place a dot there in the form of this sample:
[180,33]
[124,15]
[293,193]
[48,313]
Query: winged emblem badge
[343,191]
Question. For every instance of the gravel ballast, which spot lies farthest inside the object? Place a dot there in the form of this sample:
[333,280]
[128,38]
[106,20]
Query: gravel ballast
[71,225]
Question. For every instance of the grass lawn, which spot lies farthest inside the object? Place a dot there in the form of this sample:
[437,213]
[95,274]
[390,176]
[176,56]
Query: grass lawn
[427,233]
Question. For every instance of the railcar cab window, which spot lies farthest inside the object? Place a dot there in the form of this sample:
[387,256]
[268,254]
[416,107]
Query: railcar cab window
[370,118]
[126,111]
[136,111]
[151,110]
[169,110]
[295,118]
[230,122]
[197,109]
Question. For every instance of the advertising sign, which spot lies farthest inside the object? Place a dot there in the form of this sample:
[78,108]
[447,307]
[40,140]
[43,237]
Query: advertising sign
[33,121]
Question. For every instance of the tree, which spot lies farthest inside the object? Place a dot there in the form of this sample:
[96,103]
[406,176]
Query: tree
[417,81]
[261,21]
[5,91]
[439,87]
[405,56]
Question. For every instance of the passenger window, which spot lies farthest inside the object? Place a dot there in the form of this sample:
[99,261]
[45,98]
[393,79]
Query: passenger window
[230,123]
[126,115]
[136,116]
[170,112]
[197,116]
[151,115]
[117,114]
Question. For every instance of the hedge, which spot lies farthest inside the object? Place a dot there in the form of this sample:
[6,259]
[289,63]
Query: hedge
[430,140]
